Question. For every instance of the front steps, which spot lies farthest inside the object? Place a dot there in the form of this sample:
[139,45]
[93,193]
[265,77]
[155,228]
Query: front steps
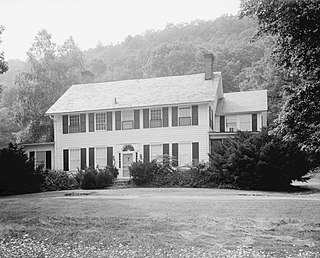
[120,183]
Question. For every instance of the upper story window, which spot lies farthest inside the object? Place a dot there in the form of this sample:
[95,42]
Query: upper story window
[127,119]
[101,121]
[185,116]
[231,123]
[74,124]
[156,117]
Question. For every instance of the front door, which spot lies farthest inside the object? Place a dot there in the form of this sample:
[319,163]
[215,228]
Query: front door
[127,161]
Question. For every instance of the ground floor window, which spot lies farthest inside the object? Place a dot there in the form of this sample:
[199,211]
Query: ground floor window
[185,152]
[156,151]
[101,157]
[74,159]
[40,158]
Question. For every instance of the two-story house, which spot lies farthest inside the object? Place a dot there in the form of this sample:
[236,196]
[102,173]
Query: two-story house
[125,121]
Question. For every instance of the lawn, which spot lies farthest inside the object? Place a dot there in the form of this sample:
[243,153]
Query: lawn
[165,222]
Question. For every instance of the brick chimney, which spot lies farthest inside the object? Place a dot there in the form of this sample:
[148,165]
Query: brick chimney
[208,64]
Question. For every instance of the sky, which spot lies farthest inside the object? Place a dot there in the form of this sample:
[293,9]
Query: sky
[93,21]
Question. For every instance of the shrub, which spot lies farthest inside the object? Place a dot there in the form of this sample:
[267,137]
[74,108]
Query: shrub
[158,172]
[57,180]
[91,178]
[257,161]
[17,174]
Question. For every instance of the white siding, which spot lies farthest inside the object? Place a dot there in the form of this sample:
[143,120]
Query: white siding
[137,137]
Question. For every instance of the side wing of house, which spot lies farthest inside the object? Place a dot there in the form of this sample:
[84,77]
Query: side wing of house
[245,111]
[41,153]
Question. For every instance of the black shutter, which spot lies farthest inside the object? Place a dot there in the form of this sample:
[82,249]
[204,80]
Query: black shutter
[91,157]
[222,127]
[146,153]
[118,120]
[146,118]
[166,149]
[91,122]
[110,156]
[195,115]
[83,161]
[65,160]
[109,121]
[165,152]
[65,124]
[136,118]
[195,153]
[175,154]
[83,122]
[48,159]
[174,116]
[254,123]
[165,119]
[31,157]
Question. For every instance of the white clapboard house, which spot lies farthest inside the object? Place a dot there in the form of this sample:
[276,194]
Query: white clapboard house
[121,122]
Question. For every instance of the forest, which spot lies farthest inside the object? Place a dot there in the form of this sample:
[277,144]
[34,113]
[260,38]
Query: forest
[30,88]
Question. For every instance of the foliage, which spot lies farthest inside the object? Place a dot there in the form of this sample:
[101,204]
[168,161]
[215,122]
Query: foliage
[52,70]
[57,180]
[258,161]
[159,173]
[3,64]
[178,49]
[300,119]
[296,27]
[91,178]
[17,174]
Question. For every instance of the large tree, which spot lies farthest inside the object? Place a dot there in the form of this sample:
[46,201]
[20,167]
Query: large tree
[53,69]
[296,26]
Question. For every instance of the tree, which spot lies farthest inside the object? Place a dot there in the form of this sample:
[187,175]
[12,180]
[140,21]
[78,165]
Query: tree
[53,69]
[18,174]
[296,26]
[3,64]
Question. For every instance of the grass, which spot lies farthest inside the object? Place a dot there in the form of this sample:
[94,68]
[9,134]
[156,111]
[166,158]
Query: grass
[151,222]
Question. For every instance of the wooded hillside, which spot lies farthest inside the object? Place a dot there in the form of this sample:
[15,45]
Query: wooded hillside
[177,49]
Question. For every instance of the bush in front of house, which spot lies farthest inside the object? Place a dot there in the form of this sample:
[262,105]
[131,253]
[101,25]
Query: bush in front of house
[91,178]
[258,161]
[57,180]
[249,161]
[159,173]
[17,174]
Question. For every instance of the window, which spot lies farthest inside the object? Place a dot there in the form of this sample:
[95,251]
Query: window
[127,119]
[101,157]
[184,116]
[155,115]
[74,159]
[185,154]
[74,124]
[40,158]
[156,151]
[231,123]
[101,121]
[245,124]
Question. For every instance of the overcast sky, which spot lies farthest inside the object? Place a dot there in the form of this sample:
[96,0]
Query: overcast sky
[91,21]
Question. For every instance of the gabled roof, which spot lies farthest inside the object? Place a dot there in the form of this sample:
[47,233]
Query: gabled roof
[137,93]
[240,102]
